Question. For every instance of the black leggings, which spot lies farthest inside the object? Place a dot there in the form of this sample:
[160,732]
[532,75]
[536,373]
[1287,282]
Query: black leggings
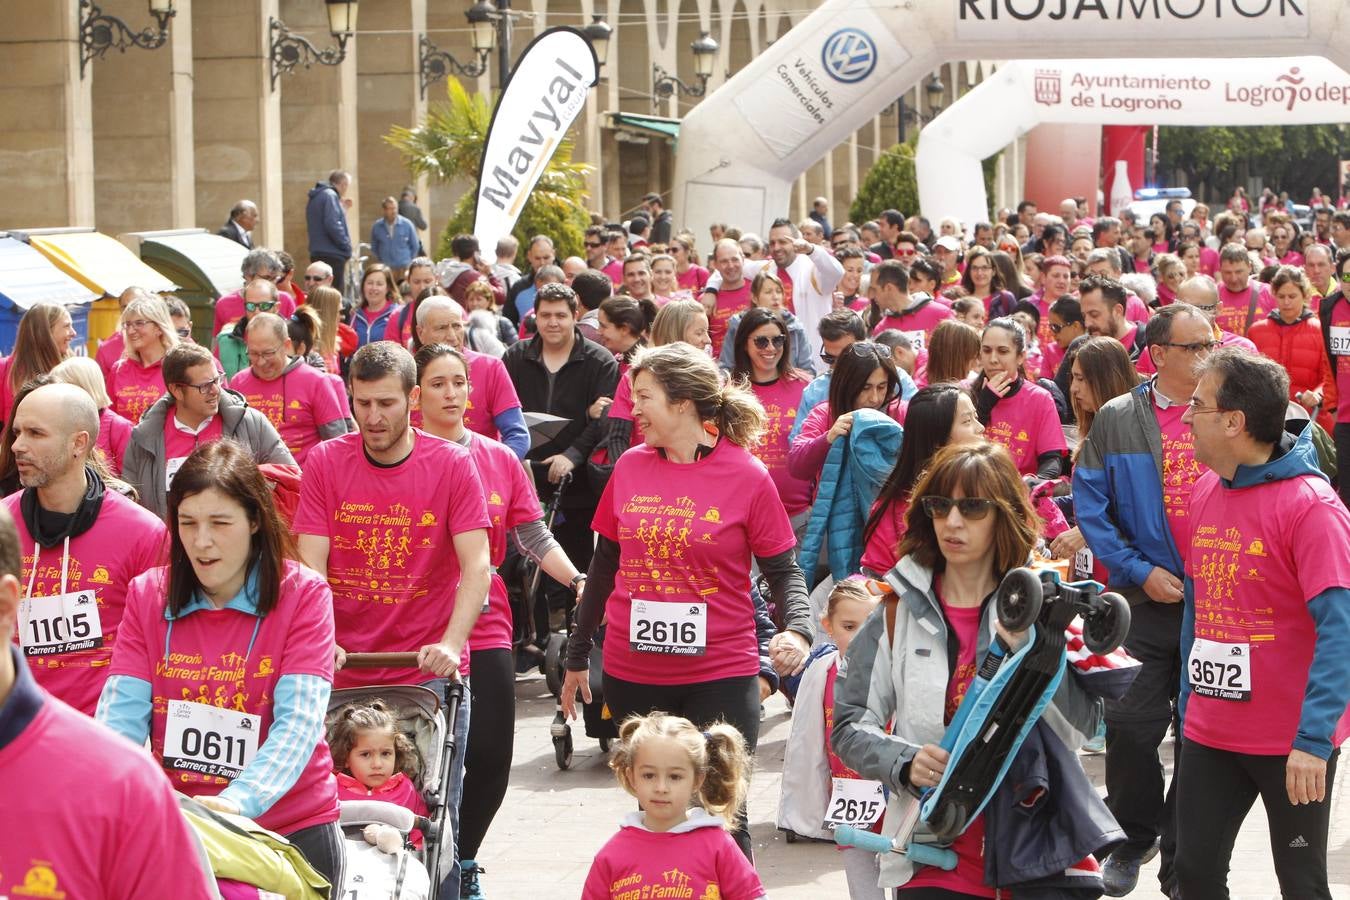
[1214,797]
[322,846]
[487,759]
[733,700]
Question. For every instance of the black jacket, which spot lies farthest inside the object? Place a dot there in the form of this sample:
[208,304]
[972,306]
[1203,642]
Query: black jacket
[590,372]
[662,227]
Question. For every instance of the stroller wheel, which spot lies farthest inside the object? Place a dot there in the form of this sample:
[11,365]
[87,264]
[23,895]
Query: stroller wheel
[949,820]
[790,836]
[553,662]
[562,750]
[604,745]
[1105,630]
[1019,599]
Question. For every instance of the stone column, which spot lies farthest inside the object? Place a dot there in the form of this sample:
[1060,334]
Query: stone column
[47,156]
[448,30]
[236,115]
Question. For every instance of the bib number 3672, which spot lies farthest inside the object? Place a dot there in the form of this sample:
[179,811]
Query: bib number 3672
[677,629]
[1219,670]
[66,623]
[855,802]
[209,740]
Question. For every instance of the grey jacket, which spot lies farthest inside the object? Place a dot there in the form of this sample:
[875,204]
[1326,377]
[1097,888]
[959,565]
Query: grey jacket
[144,464]
[905,681]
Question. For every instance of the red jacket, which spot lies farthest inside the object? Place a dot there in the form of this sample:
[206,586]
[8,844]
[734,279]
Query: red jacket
[1300,349]
[399,790]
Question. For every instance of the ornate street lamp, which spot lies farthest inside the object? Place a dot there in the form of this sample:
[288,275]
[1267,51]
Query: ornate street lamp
[100,33]
[665,85]
[289,50]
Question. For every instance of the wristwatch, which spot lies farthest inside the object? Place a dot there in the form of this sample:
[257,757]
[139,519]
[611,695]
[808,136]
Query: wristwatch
[576,580]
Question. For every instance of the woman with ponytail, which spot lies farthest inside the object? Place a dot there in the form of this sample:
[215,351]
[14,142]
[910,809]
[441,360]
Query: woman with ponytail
[682,518]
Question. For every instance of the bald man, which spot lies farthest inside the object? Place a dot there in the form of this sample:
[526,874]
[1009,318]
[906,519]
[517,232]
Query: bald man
[297,398]
[81,545]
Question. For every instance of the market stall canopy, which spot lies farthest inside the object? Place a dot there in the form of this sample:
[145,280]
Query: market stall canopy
[101,263]
[199,261]
[28,278]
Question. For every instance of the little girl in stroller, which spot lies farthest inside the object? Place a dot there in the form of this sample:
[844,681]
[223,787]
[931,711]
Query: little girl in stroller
[376,761]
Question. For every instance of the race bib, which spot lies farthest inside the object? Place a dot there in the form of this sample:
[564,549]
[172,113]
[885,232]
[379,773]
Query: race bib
[66,623]
[915,339]
[171,467]
[1219,670]
[855,802]
[209,740]
[1082,565]
[1340,340]
[677,629]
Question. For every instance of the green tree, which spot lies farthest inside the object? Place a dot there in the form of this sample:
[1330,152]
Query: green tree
[448,144]
[891,184]
[1213,160]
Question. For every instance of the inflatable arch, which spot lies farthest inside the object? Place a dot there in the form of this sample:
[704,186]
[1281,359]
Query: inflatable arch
[742,148]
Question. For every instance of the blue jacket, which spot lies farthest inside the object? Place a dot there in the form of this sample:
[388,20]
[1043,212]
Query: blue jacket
[1328,685]
[1118,494]
[371,328]
[802,356]
[853,473]
[327,223]
[398,249]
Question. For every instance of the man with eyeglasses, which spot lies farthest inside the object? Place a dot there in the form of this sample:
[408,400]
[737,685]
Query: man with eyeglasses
[1265,635]
[319,274]
[260,263]
[259,296]
[296,397]
[196,410]
[1131,486]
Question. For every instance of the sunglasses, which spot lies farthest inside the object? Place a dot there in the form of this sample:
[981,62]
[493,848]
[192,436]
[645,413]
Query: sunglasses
[260,305]
[309,278]
[863,349]
[906,252]
[972,508]
[184,332]
[1056,328]
[593,246]
[762,342]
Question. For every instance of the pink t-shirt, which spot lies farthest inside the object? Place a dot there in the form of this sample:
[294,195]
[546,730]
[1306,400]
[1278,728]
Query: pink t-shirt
[230,309]
[232,660]
[114,434]
[1180,471]
[699,864]
[1051,356]
[879,555]
[102,560]
[511,501]
[1136,310]
[693,279]
[1209,261]
[614,269]
[297,404]
[134,388]
[622,407]
[730,301]
[491,393]
[1028,425]
[71,790]
[924,319]
[179,444]
[109,352]
[1232,312]
[687,541]
[1340,318]
[1258,555]
[391,559]
[781,401]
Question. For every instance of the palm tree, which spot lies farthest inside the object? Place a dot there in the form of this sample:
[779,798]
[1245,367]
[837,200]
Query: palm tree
[448,144]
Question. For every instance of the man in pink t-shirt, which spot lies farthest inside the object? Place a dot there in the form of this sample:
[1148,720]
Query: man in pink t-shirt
[76,540]
[914,315]
[259,263]
[1242,299]
[1265,641]
[1102,302]
[296,397]
[732,296]
[71,789]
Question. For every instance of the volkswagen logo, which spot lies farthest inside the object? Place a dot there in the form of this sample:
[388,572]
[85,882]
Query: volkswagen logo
[849,55]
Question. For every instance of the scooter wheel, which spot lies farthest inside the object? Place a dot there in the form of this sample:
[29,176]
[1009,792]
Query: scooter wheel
[1019,599]
[553,663]
[562,751]
[1105,630]
[949,820]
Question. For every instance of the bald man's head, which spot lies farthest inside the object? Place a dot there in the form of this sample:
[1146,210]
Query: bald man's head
[55,430]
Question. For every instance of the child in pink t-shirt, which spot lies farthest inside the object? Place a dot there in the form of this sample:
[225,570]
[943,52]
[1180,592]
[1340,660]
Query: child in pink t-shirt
[374,760]
[667,764]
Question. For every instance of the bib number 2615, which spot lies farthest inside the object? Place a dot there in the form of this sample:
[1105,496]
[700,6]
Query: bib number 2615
[677,629]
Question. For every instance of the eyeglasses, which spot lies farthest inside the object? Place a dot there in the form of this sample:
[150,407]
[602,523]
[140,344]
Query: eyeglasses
[260,355]
[1197,347]
[137,324]
[184,332]
[972,508]
[1057,327]
[762,342]
[206,388]
[1196,407]
[260,305]
[1209,310]
[310,278]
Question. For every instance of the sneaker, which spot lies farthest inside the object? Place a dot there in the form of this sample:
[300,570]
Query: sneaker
[1120,874]
[1097,744]
[468,880]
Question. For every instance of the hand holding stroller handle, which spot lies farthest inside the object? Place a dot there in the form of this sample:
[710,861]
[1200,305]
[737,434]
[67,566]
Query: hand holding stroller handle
[381,660]
[928,855]
[848,836]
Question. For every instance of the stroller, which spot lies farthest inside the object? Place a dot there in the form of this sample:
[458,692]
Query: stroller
[1004,701]
[406,874]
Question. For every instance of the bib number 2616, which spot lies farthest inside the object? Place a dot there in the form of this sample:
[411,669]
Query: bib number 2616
[208,740]
[677,629]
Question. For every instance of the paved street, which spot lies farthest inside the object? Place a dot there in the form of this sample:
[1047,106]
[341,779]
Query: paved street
[553,822]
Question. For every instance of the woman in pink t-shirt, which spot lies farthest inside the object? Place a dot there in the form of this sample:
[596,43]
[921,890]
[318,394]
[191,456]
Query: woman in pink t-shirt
[224,660]
[625,324]
[864,377]
[42,341]
[1018,413]
[136,380]
[443,376]
[688,274]
[763,361]
[679,523]
[938,415]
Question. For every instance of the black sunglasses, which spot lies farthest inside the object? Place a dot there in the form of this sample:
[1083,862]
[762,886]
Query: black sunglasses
[973,508]
[762,341]
[864,349]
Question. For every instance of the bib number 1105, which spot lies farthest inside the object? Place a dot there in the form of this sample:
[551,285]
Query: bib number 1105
[66,623]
